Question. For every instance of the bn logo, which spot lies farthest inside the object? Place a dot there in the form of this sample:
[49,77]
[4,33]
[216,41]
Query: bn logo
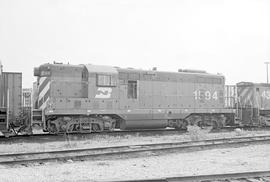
[103,93]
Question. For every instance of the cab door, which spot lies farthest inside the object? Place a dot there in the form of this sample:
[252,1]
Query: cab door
[128,94]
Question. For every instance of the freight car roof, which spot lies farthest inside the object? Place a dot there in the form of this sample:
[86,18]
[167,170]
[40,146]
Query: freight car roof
[12,72]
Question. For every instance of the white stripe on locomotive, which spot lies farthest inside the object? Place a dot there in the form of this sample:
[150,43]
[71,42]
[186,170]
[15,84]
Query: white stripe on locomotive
[44,91]
[44,104]
[41,80]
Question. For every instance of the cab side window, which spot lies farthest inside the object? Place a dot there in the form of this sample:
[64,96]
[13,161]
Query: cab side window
[106,80]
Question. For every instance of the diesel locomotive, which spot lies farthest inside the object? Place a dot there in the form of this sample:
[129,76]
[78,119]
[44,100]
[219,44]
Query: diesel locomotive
[91,98]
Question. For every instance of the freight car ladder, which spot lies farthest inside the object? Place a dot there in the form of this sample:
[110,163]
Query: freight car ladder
[3,119]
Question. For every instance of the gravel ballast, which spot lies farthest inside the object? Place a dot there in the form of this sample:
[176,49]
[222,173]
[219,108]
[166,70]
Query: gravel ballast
[106,141]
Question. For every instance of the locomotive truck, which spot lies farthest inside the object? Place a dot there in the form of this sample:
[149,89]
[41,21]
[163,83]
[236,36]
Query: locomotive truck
[92,98]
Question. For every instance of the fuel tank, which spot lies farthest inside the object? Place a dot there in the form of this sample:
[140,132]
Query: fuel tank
[143,124]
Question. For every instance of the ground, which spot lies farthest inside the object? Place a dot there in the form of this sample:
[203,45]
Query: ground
[104,141]
[248,158]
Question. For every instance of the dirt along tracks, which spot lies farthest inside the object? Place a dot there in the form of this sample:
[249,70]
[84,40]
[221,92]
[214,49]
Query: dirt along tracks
[203,162]
[145,165]
[128,151]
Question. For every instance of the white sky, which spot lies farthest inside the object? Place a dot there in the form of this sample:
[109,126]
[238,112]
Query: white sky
[231,37]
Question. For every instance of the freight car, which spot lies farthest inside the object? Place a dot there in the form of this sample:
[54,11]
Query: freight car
[11,111]
[91,98]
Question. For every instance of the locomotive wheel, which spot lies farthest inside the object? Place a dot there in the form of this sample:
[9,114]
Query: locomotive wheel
[215,125]
[181,124]
[69,128]
[185,124]
[95,127]
[52,128]
[200,124]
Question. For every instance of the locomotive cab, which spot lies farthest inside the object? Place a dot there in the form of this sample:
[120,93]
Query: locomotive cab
[68,95]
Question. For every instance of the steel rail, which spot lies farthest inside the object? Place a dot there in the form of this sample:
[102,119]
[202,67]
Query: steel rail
[241,176]
[46,137]
[95,153]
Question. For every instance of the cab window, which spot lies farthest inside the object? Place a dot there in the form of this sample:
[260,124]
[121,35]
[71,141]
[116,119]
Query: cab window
[106,80]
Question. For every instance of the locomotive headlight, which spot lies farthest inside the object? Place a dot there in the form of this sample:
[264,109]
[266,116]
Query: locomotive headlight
[36,72]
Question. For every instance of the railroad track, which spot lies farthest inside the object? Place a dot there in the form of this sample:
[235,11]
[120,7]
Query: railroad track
[257,176]
[45,137]
[130,151]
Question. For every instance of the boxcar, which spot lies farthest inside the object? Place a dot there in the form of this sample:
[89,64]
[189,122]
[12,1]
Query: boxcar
[86,98]
[10,100]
